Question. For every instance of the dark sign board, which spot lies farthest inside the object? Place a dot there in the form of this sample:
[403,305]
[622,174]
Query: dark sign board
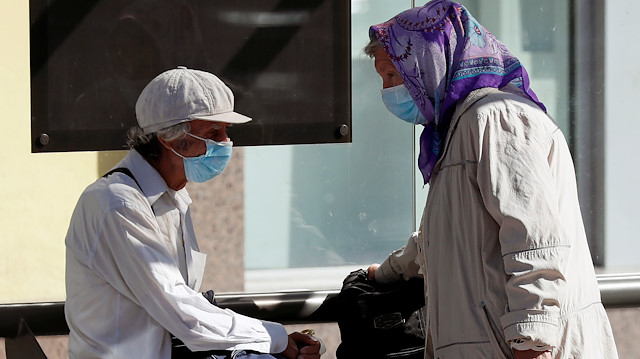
[287,62]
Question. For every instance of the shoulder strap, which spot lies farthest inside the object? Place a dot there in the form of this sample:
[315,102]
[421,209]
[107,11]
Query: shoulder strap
[126,171]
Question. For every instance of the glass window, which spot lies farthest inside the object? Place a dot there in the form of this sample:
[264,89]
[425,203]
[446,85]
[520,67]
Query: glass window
[328,209]
[316,212]
[616,143]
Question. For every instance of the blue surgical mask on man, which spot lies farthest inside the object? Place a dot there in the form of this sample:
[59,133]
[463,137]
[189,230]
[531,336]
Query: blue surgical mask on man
[204,167]
[399,102]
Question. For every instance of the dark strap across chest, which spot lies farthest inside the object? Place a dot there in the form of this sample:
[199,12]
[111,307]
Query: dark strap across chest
[126,171]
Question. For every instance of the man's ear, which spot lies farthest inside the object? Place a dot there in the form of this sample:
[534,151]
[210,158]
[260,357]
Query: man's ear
[166,147]
[163,142]
[179,144]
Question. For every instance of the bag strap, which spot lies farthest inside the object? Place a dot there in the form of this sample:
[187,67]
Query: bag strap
[126,171]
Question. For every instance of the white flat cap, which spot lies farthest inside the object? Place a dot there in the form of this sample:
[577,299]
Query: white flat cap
[181,95]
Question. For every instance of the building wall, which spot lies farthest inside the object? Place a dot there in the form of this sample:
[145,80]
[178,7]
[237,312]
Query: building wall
[38,191]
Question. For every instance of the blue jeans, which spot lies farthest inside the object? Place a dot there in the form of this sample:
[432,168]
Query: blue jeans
[224,354]
[243,354]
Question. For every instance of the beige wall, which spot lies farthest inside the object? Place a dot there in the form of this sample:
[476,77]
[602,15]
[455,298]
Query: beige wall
[38,191]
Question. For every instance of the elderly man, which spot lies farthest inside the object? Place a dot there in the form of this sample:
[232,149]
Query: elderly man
[133,268]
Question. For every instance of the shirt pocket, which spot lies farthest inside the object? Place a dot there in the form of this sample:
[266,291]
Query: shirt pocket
[196,269]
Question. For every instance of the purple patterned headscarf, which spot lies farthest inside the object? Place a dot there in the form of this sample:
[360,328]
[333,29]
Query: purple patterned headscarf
[442,54]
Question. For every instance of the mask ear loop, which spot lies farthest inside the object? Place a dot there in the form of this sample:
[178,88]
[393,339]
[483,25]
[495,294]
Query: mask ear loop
[194,136]
[395,87]
[395,91]
[207,140]
[163,143]
[177,154]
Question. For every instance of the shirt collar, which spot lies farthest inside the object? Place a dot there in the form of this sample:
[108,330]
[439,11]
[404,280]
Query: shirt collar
[151,182]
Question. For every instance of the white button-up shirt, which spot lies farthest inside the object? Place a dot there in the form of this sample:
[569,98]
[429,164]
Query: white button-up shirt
[133,271]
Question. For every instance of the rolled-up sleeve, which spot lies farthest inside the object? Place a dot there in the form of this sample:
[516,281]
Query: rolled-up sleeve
[402,263]
[518,190]
[130,255]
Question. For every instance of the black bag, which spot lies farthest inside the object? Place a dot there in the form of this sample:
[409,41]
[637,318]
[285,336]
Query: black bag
[378,320]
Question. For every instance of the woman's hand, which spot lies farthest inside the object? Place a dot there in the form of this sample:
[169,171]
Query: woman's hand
[371,271]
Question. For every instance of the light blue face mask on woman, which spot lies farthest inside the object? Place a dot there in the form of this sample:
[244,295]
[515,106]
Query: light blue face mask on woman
[400,103]
[204,167]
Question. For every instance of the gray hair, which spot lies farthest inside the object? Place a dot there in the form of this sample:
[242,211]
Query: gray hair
[373,45]
[149,146]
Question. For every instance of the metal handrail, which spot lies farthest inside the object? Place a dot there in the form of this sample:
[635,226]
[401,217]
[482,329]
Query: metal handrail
[617,291]
[620,290]
[284,307]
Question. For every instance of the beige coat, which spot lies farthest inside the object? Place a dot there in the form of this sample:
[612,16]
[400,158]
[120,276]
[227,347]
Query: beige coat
[502,240]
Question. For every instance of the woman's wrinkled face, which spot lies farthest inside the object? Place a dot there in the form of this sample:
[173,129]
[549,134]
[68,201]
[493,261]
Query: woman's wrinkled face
[390,76]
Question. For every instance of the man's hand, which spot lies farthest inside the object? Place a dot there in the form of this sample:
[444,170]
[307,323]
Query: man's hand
[302,346]
[531,354]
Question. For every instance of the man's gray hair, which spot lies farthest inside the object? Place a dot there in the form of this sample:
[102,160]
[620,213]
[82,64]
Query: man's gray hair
[373,45]
[149,146]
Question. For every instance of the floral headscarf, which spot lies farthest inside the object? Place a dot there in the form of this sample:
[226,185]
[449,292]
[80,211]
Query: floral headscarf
[442,54]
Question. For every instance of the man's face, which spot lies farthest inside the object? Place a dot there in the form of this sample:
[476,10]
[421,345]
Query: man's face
[216,131]
[386,70]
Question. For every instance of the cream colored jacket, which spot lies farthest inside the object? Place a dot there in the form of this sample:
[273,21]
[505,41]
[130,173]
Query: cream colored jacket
[502,241]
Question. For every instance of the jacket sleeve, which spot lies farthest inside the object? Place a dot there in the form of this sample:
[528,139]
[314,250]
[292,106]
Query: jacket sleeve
[402,263]
[131,255]
[519,191]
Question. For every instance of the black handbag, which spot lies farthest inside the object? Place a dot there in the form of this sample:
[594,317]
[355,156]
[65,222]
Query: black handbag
[380,320]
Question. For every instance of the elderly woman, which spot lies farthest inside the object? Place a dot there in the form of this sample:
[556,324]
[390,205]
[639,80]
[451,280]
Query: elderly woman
[501,246]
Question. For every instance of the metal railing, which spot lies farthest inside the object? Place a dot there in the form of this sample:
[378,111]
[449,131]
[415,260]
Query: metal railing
[617,290]
[620,290]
